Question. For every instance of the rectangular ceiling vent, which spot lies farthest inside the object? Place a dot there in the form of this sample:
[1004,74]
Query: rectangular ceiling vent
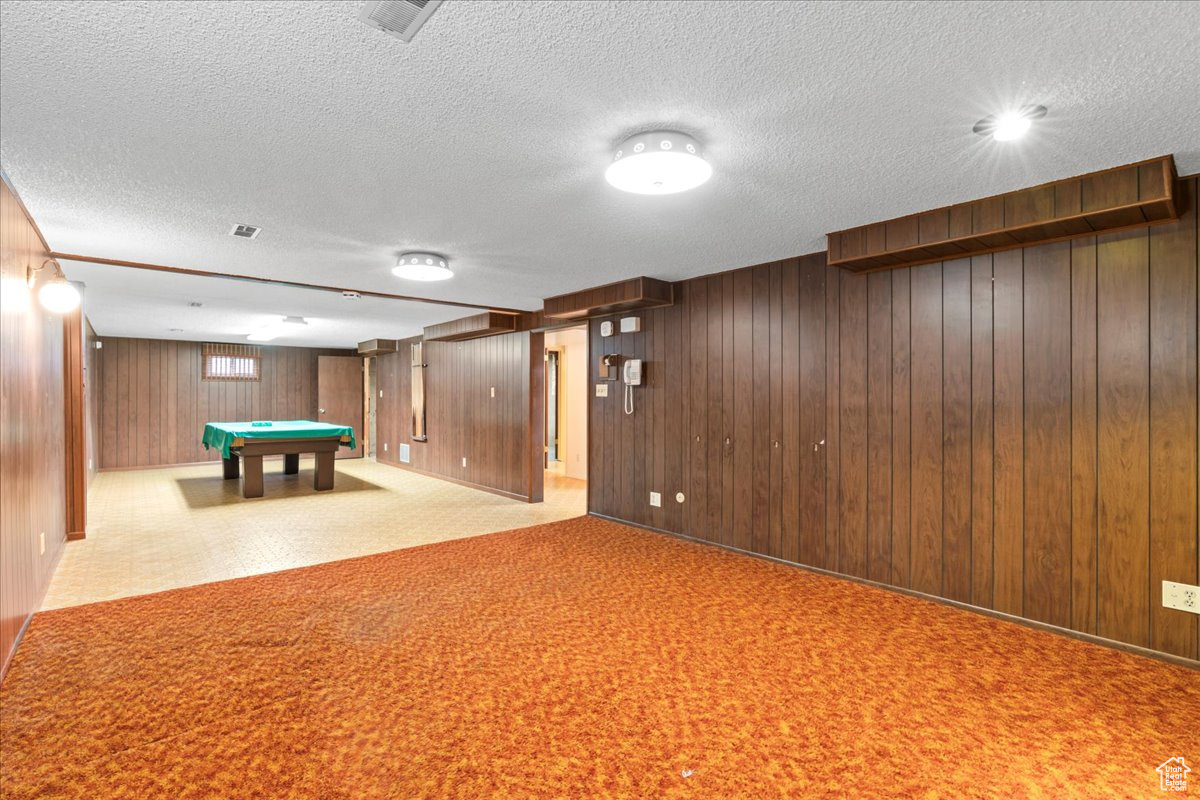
[245,231]
[400,18]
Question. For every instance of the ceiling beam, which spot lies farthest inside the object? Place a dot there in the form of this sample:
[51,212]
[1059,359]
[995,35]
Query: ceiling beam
[229,276]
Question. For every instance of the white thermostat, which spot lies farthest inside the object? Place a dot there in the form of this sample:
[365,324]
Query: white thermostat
[606,328]
[631,324]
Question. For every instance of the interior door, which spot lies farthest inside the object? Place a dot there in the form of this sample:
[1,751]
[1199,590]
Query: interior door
[340,396]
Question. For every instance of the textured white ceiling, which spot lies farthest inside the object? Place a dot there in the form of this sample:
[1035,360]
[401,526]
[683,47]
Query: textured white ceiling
[123,302]
[142,131]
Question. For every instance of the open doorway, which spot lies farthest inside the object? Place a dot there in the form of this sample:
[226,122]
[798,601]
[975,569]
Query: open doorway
[566,404]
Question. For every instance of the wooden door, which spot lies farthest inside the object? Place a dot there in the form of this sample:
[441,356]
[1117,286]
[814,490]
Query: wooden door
[340,396]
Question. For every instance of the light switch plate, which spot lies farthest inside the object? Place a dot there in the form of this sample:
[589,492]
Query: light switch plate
[601,390]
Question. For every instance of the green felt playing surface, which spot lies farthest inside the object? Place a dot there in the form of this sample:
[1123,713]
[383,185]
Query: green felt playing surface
[221,435]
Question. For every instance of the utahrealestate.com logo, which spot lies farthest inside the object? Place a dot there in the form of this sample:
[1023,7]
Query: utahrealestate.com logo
[1172,775]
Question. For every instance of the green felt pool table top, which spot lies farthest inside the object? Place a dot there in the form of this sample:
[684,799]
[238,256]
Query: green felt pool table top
[224,435]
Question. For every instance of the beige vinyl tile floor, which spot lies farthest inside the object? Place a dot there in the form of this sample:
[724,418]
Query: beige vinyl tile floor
[157,529]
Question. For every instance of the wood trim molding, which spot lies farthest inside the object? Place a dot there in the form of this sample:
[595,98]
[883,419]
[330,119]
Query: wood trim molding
[612,298]
[74,433]
[1130,196]
[459,481]
[486,324]
[230,276]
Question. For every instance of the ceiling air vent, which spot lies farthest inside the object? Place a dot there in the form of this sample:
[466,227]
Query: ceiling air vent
[400,18]
[245,231]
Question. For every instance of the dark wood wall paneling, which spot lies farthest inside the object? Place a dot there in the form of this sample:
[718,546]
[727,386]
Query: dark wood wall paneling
[500,436]
[91,400]
[153,404]
[75,419]
[32,453]
[1016,430]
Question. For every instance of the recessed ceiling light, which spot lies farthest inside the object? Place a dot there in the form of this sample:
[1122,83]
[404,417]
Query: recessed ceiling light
[422,266]
[658,162]
[1009,125]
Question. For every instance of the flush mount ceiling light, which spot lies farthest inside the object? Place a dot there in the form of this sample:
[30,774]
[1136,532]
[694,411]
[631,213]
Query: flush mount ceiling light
[422,266]
[276,329]
[658,162]
[1009,125]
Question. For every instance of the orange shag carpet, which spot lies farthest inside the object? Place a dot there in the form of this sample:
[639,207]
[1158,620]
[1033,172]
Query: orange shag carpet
[580,659]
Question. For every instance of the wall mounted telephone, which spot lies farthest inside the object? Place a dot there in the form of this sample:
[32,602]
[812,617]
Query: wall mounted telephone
[631,373]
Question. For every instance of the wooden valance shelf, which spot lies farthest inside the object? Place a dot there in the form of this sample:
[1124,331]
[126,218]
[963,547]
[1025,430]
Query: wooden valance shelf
[612,298]
[1130,196]
[488,323]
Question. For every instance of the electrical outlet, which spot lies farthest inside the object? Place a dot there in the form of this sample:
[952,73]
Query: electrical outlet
[464,461]
[493,391]
[1181,597]
[381,394]
[89,465]
[385,447]
[42,543]
[601,390]
[656,499]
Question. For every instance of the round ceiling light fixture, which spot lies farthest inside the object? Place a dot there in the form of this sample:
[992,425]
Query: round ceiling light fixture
[658,162]
[1009,125]
[422,266]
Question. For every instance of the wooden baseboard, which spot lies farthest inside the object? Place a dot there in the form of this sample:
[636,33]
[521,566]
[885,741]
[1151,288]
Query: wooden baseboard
[8,657]
[1113,644]
[75,536]
[468,484]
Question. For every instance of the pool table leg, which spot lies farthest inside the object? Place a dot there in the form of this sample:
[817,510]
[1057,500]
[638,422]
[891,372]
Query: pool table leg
[291,463]
[232,470]
[323,475]
[252,477]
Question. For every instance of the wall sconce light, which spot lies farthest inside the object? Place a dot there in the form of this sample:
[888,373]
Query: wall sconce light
[57,295]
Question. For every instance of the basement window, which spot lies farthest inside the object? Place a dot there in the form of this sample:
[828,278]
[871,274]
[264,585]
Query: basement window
[232,362]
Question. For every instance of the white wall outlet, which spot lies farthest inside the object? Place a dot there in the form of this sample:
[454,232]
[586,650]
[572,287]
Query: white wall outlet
[464,461]
[679,498]
[656,499]
[601,390]
[89,465]
[381,394]
[1181,596]
[493,391]
[42,543]
[385,447]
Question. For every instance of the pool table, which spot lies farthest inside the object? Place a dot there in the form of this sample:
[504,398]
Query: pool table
[243,444]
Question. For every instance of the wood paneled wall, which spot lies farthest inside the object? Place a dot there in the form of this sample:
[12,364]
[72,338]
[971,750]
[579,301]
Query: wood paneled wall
[75,421]
[1015,431]
[501,437]
[32,460]
[91,399]
[153,403]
